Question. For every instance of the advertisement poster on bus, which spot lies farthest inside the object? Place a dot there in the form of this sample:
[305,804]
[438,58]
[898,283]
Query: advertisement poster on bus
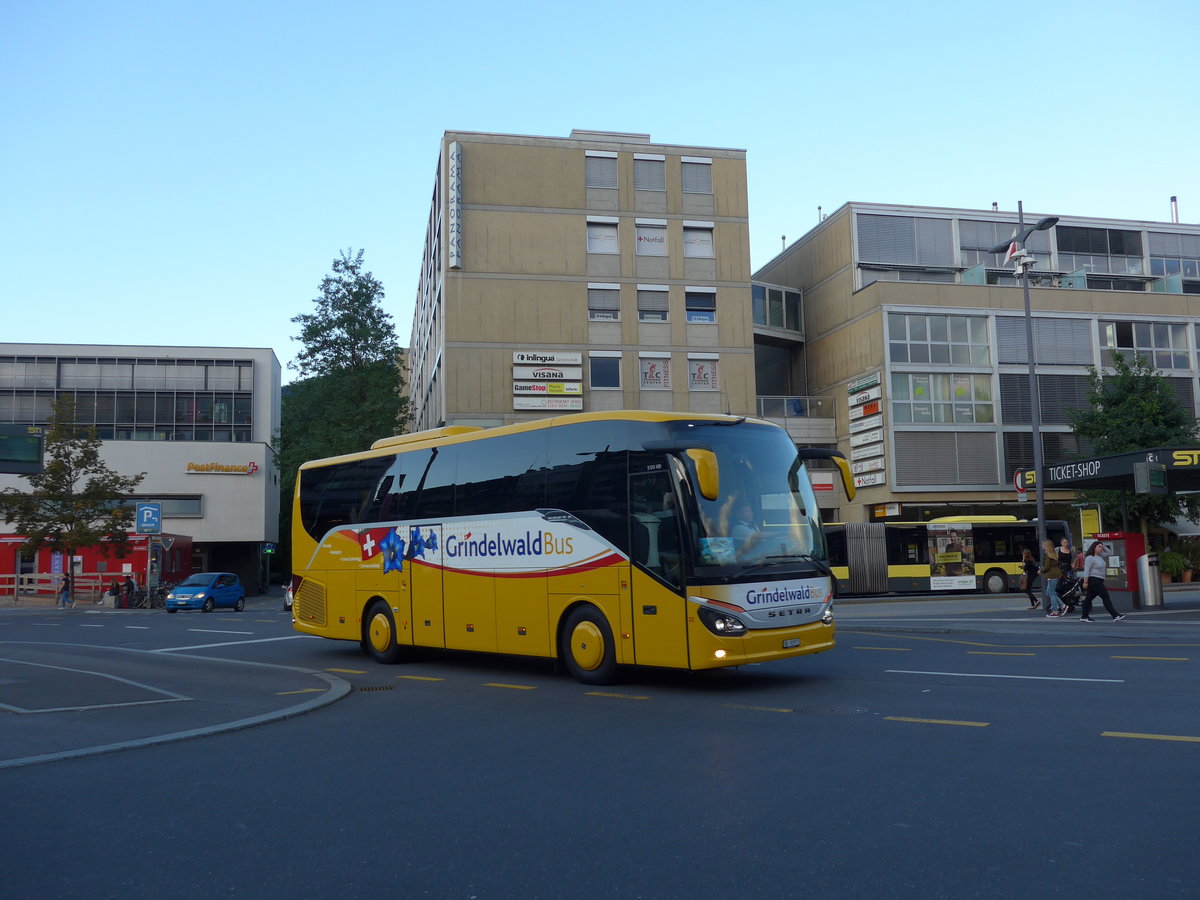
[951,557]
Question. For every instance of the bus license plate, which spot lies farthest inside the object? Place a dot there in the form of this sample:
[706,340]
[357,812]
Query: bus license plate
[791,642]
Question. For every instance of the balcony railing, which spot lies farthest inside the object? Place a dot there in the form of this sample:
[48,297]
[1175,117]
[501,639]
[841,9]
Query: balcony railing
[795,407]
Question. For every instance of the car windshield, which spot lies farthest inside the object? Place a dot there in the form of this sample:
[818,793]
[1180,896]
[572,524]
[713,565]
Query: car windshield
[199,580]
[766,512]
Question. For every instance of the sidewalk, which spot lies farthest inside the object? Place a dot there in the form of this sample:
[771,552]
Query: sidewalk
[1178,617]
[272,599]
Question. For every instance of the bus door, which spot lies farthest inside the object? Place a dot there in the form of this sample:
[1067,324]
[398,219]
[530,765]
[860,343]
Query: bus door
[659,610]
[423,568]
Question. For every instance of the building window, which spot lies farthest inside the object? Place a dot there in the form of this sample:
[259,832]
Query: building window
[1163,344]
[654,373]
[936,398]
[698,239]
[17,374]
[652,240]
[652,303]
[948,340]
[703,373]
[1174,254]
[601,171]
[1107,250]
[649,173]
[696,174]
[604,372]
[905,240]
[976,238]
[604,303]
[701,306]
[602,237]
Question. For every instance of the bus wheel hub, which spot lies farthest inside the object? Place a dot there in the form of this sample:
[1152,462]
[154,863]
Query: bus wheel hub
[587,645]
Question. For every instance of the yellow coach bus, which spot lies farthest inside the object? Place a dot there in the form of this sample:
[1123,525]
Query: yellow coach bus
[597,539]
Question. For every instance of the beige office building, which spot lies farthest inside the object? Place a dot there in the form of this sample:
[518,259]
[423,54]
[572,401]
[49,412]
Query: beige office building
[596,272]
[915,335]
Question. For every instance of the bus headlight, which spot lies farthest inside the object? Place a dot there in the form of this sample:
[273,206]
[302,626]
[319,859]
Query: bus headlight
[827,615]
[720,623]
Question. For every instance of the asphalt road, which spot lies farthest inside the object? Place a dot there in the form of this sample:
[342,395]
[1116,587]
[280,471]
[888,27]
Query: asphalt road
[938,751]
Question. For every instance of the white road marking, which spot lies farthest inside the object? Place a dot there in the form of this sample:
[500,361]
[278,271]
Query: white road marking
[218,631]
[985,675]
[290,637]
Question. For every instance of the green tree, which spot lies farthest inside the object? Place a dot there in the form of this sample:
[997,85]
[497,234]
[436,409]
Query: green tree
[76,501]
[1134,408]
[350,391]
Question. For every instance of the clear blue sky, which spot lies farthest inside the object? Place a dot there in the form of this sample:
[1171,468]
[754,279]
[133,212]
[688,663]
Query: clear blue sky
[184,172]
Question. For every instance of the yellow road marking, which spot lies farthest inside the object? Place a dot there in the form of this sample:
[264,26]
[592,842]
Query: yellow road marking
[851,629]
[1151,737]
[420,678]
[349,671]
[514,687]
[996,653]
[937,721]
[758,708]
[617,696]
[1161,658]
[305,691]
[898,649]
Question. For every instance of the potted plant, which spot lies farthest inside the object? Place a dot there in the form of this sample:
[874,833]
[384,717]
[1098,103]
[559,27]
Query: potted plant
[1171,564]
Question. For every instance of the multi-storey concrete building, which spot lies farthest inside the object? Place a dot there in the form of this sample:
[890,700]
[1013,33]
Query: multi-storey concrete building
[197,420]
[595,272]
[916,334]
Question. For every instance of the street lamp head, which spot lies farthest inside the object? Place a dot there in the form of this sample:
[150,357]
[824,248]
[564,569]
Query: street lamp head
[1046,223]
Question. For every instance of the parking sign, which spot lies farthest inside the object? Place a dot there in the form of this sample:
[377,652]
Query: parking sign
[149,518]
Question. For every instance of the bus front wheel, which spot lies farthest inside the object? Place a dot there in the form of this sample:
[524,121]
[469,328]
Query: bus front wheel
[379,634]
[995,582]
[587,646]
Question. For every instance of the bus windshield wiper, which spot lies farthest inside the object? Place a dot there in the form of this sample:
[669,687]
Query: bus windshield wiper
[821,565]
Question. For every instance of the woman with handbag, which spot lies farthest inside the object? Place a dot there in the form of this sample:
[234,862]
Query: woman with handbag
[1030,567]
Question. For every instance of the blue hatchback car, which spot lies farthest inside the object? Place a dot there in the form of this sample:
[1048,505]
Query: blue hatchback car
[206,591]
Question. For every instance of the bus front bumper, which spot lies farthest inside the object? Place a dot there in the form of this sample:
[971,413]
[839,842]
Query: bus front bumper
[710,651]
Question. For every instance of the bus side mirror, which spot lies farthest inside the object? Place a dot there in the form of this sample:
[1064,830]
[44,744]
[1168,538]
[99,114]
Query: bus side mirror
[843,465]
[707,475]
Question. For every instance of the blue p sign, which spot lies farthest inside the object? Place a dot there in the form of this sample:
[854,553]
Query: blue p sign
[149,518]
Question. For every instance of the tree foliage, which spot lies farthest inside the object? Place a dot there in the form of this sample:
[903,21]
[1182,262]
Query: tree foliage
[350,392]
[1134,408]
[76,501]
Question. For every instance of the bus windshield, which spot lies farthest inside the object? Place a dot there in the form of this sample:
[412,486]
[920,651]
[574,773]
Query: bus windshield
[766,512]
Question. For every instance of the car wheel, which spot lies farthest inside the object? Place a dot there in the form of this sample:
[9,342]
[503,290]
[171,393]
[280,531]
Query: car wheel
[208,605]
[240,605]
[995,582]
[172,611]
[380,634]
[587,646]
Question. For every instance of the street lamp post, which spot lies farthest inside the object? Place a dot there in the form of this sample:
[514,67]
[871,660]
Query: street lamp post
[1014,249]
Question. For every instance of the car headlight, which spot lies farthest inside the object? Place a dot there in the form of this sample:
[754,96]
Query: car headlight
[199,596]
[721,623]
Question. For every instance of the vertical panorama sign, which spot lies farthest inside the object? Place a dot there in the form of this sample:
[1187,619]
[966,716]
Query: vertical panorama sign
[454,205]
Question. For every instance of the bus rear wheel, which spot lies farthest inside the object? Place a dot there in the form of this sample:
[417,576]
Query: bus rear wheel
[995,581]
[379,634]
[587,646]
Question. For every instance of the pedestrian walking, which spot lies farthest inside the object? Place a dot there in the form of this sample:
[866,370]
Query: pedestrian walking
[1030,567]
[1051,570]
[127,590]
[64,593]
[1095,562]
